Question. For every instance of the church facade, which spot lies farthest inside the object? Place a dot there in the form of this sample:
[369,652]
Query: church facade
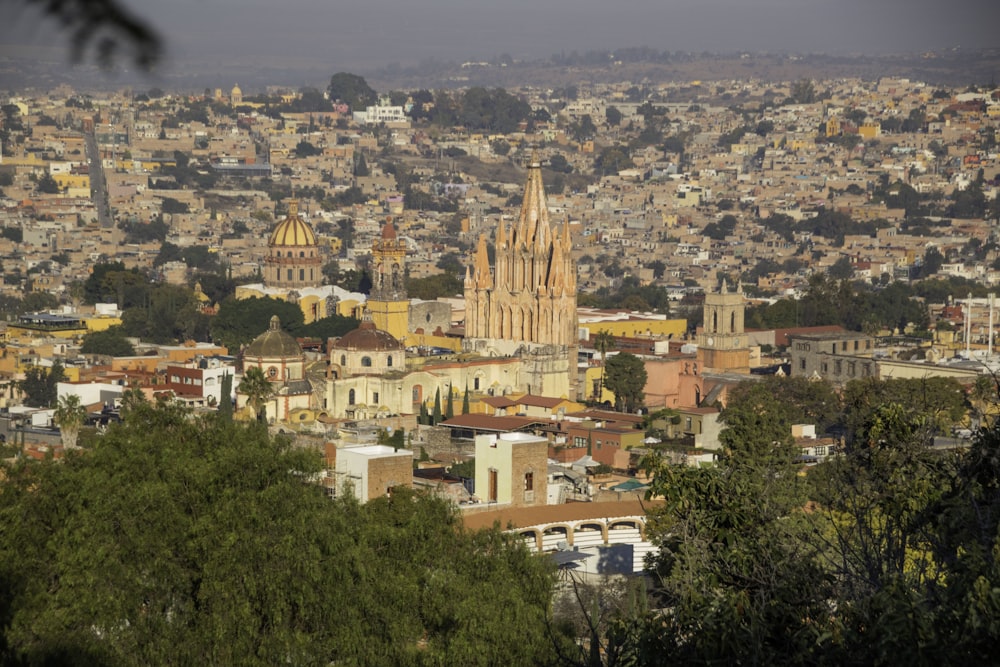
[525,304]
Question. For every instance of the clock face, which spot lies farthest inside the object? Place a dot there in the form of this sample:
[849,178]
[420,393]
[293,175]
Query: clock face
[272,371]
[710,341]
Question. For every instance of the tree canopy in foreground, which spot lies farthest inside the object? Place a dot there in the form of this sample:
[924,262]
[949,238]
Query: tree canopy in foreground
[188,540]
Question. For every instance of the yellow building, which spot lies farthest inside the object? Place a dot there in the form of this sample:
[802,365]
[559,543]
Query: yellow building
[870,130]
[46,325]
[79,182]
[625,324]
[293,273]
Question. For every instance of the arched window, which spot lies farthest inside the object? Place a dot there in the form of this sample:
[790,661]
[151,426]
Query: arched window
[366,362]
[388,361]
[350,397]
[302,253]
[732,322]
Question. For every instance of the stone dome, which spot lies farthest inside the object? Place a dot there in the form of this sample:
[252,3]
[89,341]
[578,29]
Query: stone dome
[273,343]
[293,230]
[367,338]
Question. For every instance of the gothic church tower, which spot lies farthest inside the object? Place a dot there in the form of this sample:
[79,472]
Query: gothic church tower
[526,303]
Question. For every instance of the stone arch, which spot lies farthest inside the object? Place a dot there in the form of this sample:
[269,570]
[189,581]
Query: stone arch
[556,533]
[592,526]
[532,534]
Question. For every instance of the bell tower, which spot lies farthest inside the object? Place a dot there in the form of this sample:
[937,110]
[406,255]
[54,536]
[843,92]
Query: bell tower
[722,343]
[388,304]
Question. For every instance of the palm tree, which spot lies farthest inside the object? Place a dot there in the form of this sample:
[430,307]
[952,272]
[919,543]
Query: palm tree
[69,416]
[258,389]
[603,341]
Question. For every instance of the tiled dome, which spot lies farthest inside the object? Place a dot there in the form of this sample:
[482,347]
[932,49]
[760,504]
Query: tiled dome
[293,230]
[273,343]
[366,338]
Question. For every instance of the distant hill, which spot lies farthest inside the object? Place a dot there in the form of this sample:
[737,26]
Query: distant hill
[955,67]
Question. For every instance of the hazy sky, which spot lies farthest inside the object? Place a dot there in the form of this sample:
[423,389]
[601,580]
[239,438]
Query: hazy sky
[338,35]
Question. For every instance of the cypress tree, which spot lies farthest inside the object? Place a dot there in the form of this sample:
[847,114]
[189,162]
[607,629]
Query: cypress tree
[226,399]
[465,402]
[436,416]
[449,410]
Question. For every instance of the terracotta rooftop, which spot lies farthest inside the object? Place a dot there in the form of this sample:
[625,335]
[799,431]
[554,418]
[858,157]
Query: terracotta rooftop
[491,423]
[532,516]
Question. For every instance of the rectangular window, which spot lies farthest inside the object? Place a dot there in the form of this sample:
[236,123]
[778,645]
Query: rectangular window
[302,274]
[529,481]
[375,397]
[289,274]
[802,364]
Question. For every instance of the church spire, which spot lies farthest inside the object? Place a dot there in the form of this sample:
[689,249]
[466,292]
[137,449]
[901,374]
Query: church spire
[481,273]
[534,210]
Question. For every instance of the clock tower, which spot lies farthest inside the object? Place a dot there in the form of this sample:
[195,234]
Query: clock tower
[722,343]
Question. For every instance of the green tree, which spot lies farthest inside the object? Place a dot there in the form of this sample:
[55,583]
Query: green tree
[47,185]
[803,401]
[258,390]
[238,322]
[111,342]
[432,287]
[611,160]
[604,340]
[842,269]
[331,326]
[613,116]
[939,403]
[226,400]
[802,92]
[40,385]
[352,90]
[625,375]
[436,415]
[176,534]
[69,416]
